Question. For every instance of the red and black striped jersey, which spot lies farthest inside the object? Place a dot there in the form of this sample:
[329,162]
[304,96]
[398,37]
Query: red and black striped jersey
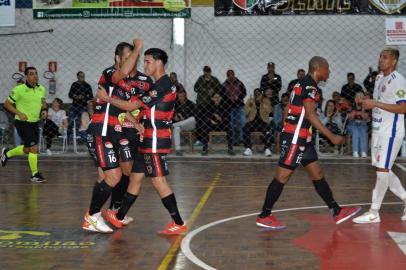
[305,90]
[160,105]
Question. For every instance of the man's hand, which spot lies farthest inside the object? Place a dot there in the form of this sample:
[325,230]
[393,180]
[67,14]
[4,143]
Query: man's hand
[102,94]
[140,128]
[368,104]
[337,139]
[22,117]
[137,44]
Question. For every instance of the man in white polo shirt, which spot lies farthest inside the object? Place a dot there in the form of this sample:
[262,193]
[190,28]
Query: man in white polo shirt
[388,129]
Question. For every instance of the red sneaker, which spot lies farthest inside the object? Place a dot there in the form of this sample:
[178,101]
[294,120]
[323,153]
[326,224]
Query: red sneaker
[345,213]
[173,229]
[110,216]
[270,222]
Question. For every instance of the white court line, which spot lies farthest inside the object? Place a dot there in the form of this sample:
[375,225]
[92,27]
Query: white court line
[403,168]
[185,245]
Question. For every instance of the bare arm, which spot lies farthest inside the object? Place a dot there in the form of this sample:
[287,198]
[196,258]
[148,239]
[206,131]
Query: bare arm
[10,107]
[129,64]
[122,104]
[311,115]
[393,108]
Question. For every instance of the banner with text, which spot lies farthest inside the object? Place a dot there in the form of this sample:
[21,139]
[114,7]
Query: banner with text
[395,31]
[7,13]
[98,9]
[311,7]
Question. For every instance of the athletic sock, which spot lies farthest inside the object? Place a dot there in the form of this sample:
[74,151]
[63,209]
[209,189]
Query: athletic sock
[324,191]
[127,202]
[117,194]
[273,192]
[170,204]
[396,186]
[382,184]
[101,193]
[16,151]
[33,162]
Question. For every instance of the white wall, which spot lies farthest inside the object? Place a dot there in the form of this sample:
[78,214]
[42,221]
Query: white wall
[246,44]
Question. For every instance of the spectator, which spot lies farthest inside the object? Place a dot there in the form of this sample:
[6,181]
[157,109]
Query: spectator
[174,79]
[184,118]
[277,121]
[85,120]
[272,81]
[369,82]
[234,93]
[206,86]
[257,110]
[215,118]
[300,75]
[80,93]
[332,120]
[349,90]
[342,105]
[59,118]
[358,126]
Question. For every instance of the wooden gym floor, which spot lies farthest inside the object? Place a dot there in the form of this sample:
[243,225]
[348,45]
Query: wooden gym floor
[40,224]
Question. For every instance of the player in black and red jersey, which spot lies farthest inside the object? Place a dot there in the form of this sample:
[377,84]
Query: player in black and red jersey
[159,105]
[105,129]
[296,147]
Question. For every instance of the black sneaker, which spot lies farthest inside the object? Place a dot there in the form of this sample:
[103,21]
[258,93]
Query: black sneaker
[205,152]
[37,178]
[3,158]
[179,153]
[231,152]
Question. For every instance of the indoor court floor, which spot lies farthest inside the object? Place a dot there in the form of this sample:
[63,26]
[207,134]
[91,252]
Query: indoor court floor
[40,224]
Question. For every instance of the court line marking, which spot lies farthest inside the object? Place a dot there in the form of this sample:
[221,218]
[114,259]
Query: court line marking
[403,168]
[185,245]
[196,212]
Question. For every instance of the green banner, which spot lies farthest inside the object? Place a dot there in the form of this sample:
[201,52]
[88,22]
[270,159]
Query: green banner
[101,9]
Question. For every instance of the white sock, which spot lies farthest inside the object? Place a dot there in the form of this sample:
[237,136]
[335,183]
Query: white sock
[396,186]
[382,184]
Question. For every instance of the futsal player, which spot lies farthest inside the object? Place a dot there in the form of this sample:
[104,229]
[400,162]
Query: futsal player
[388,129]
[296,147]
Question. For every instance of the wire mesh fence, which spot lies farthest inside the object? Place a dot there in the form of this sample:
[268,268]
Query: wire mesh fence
[262,52]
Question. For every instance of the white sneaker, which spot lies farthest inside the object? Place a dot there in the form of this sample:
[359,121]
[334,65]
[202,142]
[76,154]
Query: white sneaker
[403,218]
[127,220]
[247,152]
[355,154]
[364,155]
[367,217]
[268,152]
[96,223]
[49,153]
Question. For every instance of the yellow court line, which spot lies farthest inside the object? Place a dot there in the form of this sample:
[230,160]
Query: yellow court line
[175,246]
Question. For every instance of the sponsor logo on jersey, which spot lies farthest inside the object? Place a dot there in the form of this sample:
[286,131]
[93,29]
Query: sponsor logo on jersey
[153,93]
[400,93]
[117,128]
[142,78]
[108,145]
[124,142]
[173,88]
[146,99]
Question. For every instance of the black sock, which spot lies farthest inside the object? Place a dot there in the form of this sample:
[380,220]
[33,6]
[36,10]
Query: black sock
[324,191]
[101,193]
[170,204]
[272,194]
[128,201]
[118,192]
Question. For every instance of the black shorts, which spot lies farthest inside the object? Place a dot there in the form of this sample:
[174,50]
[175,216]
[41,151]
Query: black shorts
[28,132]
[105,151]
[152,165]
[293,154]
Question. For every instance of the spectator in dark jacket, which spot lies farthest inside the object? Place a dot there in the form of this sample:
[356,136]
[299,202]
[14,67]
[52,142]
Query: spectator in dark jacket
[369,82]
[174,78]
[349,90]
[273,81]
[184,118]
[206,86]
[234,94]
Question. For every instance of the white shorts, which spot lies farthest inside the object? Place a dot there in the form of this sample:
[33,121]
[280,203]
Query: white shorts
[384,150]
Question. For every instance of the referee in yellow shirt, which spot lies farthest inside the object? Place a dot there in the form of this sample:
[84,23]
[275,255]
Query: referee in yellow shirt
[25,102]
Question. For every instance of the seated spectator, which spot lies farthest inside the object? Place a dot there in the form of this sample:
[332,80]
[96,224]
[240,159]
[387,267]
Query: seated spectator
[59,118]
[234,93]
[257,110]
[277,121]
[358,126]
[49,130]
[349,90]
[85,121]
[369,81]
[332,120]
[4,124]
[174,78]
[215,118]
[183,118]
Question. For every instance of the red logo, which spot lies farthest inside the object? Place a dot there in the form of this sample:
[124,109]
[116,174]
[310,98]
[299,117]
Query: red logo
[399,25]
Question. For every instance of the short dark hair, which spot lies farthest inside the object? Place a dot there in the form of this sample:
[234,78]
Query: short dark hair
[206,69]
[60,102]
[157,54]
[27,69]
[121,46]
[79,72]
[300,70]
[350,74]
